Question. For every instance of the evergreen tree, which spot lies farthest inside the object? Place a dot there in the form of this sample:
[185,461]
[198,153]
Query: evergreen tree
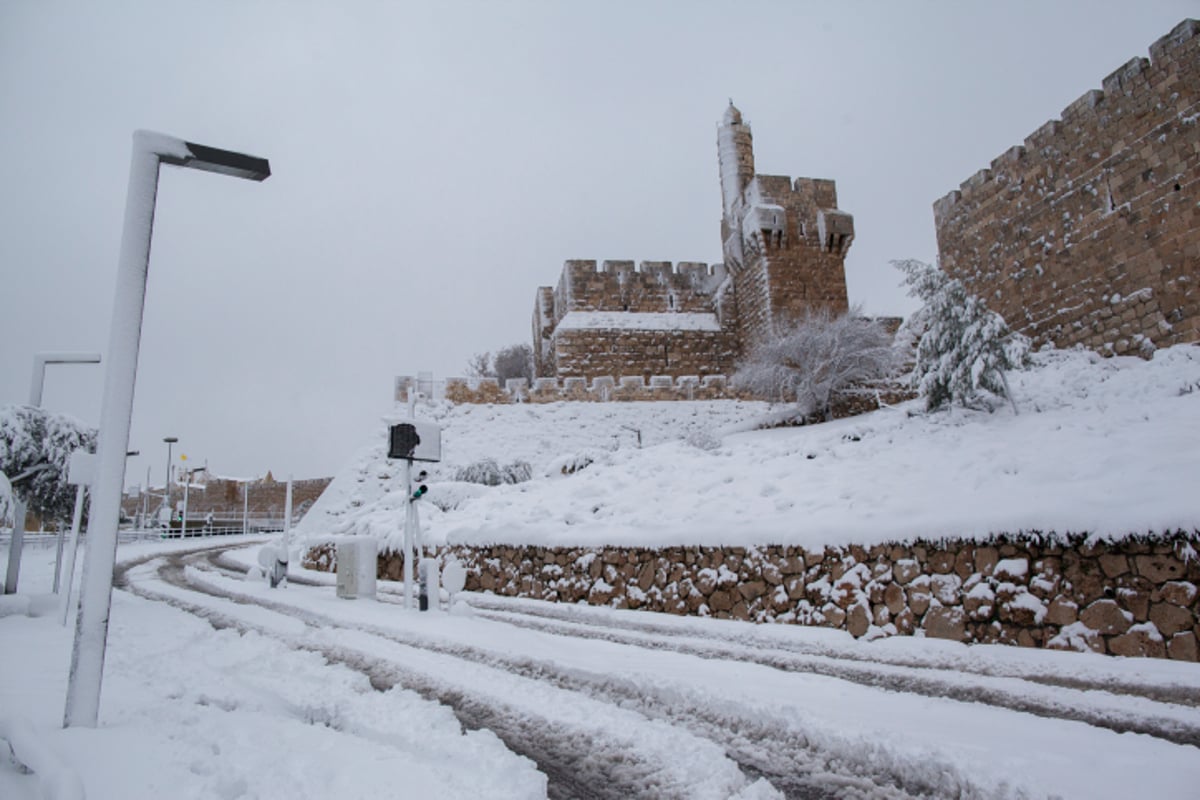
[963,346]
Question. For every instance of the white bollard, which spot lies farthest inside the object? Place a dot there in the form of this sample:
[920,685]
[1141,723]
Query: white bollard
[356,567]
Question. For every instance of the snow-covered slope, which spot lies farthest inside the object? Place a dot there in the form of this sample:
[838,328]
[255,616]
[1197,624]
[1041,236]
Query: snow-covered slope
[1107,446]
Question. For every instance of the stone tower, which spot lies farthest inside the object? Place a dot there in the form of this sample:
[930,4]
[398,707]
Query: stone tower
[784,242]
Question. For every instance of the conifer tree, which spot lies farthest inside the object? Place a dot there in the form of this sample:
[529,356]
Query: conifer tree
[963,346]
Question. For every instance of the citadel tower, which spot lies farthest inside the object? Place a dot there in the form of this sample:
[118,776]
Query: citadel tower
[784,245]
[784,242]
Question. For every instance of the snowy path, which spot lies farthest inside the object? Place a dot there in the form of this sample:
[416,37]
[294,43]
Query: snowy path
[635,705]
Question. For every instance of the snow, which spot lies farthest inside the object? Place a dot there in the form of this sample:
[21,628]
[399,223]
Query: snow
[274,703]
[639,321]
[1107,447]
[229,689]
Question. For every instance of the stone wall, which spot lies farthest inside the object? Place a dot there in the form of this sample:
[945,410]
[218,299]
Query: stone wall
[1089,233]
[599,389]
[655,318]
[1136,597]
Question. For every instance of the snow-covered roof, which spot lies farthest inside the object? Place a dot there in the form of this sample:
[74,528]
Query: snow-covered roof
[639,321]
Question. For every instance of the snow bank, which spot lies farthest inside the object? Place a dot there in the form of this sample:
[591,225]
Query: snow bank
[1106,446]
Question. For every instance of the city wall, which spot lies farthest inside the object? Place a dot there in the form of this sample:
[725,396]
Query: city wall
[1136,597]
[1089,232]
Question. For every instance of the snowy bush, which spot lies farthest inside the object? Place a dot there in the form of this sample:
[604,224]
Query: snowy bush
[962,346]
[489,472]
[703,440]
[818,361]
[30,436]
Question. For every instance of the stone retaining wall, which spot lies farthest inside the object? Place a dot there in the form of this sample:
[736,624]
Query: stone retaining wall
[1136,597]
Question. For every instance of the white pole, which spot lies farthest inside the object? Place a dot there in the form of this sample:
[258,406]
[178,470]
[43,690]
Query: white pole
[246,507]
[408,535]
[58,554]
[125,333]
[187,480]
[124,339]
[15,546]
[287,529]
[76,518]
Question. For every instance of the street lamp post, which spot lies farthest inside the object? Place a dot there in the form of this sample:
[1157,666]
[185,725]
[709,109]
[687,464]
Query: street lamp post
[125,332]
[40,360]
[170,440]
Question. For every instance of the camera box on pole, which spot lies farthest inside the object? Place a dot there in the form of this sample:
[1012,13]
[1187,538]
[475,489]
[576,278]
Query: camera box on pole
[356,565]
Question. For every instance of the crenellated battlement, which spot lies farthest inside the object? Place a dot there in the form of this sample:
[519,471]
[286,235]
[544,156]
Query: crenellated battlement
[1094,205]
[784,244]
[1170,71]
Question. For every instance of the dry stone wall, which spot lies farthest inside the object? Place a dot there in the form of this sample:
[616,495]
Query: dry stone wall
[1089,233]
[1136,597]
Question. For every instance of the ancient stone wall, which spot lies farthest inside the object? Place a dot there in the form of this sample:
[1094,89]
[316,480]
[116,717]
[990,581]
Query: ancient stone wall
[653,319]
[1089,233]
[1136,597]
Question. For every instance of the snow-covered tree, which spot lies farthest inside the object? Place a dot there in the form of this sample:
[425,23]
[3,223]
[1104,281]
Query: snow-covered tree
[962,345]
[6,500]
[818,360]
[30,436]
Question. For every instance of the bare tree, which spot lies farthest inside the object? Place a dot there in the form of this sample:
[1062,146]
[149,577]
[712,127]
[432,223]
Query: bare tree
[514,361]
[819,360]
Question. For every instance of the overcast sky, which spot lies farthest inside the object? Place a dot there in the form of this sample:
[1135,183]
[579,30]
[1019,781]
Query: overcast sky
[434,163]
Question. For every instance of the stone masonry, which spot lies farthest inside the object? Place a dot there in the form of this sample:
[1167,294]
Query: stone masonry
[1089,233]
[784,245]
[1136,597]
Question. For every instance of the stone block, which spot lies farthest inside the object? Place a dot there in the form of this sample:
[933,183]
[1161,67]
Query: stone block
[1114,564]
[1061,612]
[945,623]
[1180,593]
[1159,568]
[1171,619]
[1106,617]
[1183,647]
[1141,640]
[858,620]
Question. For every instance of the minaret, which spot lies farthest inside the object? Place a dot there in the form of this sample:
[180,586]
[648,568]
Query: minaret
[735,153]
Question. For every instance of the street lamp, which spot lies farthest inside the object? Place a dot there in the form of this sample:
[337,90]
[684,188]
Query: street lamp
[40,360]
[125,332]
[170,440]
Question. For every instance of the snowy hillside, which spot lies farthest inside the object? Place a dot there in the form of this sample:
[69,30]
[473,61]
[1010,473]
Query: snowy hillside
[1107,446]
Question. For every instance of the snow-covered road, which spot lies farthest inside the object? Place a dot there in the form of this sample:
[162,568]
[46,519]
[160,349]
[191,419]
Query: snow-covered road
[628,704]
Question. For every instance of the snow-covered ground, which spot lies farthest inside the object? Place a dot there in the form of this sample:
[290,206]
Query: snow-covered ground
[217,686]
[1106,446]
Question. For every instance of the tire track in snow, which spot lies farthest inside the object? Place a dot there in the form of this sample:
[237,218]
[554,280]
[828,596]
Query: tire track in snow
[796,763]
[1016,692]
[574,762]
[1177,695]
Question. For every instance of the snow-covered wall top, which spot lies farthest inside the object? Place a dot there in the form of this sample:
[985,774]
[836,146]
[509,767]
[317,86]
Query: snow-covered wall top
[617,320]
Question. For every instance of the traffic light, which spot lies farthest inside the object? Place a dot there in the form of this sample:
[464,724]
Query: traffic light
[419,491]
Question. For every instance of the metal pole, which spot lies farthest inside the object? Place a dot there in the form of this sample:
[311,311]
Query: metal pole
[408,535]
[187,482]
[246,507]
[125,333]
[76,518]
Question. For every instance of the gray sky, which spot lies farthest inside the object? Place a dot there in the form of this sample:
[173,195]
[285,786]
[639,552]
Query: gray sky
[434,163]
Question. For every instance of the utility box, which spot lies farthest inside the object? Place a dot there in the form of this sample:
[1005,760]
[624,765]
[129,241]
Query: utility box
[356,567]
